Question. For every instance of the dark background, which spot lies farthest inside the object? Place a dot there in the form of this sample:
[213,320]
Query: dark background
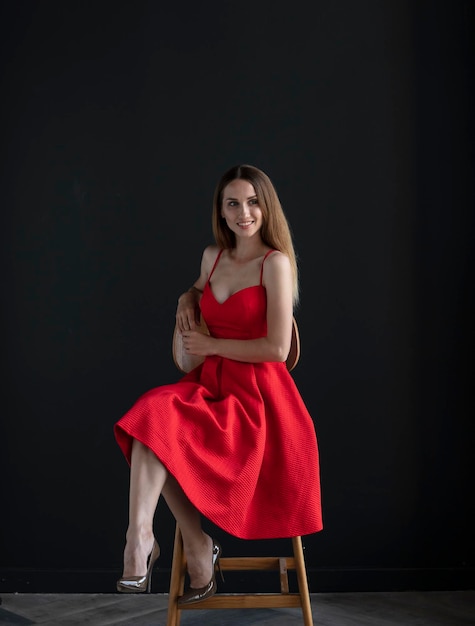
[118,120]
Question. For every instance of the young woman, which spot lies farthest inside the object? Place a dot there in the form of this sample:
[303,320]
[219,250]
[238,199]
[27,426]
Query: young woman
[232,440]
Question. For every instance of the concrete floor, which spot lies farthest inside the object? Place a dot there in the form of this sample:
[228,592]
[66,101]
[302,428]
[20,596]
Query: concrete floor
[435,608]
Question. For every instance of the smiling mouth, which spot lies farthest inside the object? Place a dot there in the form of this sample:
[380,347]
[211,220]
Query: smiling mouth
[244,224]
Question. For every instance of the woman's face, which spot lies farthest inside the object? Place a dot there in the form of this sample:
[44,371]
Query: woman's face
[240,208]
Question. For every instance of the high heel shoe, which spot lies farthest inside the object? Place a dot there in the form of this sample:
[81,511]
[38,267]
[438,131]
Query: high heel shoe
[139,584]
[194,595]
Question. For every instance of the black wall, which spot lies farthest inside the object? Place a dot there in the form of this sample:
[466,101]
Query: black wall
[118,120]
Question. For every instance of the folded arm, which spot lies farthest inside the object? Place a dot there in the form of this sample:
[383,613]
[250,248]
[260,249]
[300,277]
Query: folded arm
[277,280]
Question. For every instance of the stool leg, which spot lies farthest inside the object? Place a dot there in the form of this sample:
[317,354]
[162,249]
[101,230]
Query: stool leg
[177,580]
[302,581]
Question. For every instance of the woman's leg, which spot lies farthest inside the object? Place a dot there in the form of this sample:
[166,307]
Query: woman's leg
[198,545]
[147,477]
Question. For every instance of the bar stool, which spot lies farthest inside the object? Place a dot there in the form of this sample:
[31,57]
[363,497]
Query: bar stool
[280,564]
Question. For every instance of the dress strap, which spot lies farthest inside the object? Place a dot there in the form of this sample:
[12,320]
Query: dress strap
[215,264]
[262,265]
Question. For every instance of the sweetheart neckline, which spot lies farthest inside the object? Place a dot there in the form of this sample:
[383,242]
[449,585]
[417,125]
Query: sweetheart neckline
[233,294]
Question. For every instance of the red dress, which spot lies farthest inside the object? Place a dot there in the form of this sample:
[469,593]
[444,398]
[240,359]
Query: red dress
[236,436]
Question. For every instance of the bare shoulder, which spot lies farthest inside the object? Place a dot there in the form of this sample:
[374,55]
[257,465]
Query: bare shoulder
[277,271]
[277,262]
[209,257]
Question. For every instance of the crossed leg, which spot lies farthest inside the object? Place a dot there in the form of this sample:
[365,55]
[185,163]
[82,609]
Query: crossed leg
[148,480]
[197,545]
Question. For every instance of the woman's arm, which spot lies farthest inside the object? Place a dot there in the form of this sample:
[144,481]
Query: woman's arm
[188,308]
[277,279]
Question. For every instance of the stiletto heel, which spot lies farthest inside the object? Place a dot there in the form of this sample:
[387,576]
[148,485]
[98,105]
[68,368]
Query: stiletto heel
[217,561]
[202,593]
[140,584]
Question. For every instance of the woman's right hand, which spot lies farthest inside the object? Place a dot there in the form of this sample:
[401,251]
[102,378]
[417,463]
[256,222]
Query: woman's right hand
[188,310]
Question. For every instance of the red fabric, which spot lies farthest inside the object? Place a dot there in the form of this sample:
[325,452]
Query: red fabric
[236,436]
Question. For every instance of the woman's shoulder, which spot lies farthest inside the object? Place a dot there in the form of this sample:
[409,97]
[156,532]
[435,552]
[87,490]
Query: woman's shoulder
[276,266]
[211,250]
[276,259]
[210,254]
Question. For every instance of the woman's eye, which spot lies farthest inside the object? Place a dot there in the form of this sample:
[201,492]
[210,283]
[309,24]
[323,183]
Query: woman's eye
[254,202]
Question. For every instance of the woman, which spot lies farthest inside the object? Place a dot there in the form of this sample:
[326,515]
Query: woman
[232,440]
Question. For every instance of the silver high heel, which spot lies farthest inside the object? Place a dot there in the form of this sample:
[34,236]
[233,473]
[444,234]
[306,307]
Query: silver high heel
[202,593]
[139,584]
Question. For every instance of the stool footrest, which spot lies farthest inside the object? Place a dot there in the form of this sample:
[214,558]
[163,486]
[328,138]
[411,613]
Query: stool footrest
[255,563]
[243,601]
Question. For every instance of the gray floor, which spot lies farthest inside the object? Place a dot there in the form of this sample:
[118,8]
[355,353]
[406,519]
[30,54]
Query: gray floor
[436,608]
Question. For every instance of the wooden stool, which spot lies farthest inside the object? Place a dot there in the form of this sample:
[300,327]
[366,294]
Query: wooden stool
[242,600]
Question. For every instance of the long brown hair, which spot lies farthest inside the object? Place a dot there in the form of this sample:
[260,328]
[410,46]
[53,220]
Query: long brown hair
[275,230]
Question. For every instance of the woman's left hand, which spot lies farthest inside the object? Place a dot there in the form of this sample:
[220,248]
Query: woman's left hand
[197,343]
